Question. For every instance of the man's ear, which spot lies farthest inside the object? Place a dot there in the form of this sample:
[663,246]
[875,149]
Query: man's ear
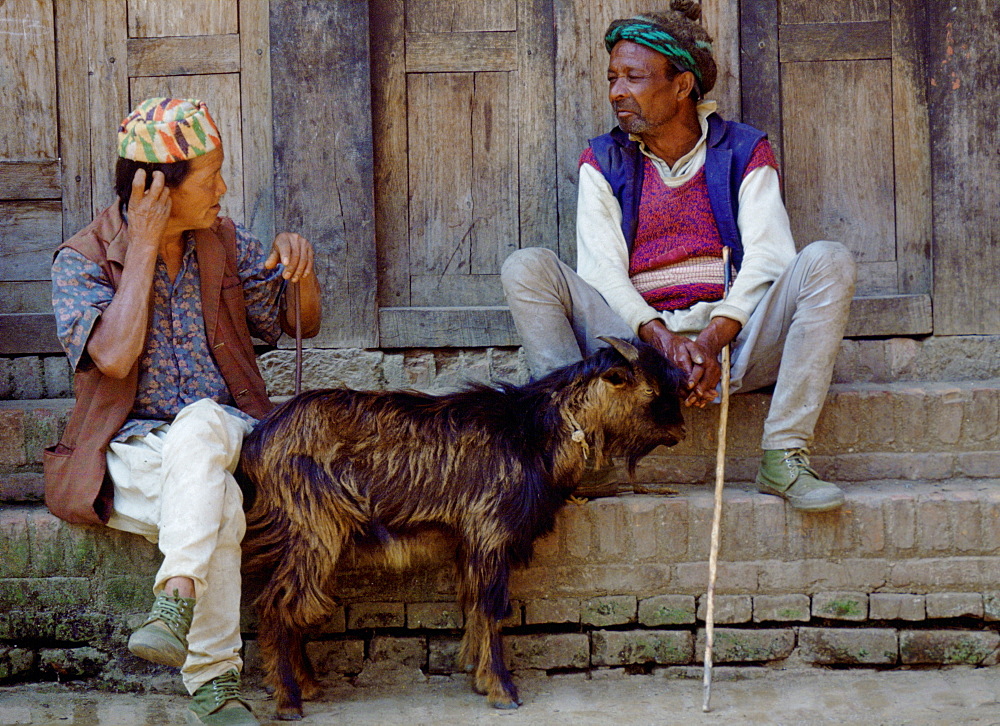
[685,84]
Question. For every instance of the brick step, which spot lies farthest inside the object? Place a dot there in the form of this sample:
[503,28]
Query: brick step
[900,557]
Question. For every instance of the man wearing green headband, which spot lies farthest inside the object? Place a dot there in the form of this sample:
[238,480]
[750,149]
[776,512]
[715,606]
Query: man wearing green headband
[660,197]
[156,302]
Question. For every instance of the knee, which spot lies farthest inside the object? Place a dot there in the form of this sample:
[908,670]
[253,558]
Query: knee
[205,425]
[526,264]
[833,261]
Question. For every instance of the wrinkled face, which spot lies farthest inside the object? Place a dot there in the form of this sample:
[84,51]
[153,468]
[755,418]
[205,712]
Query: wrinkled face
[642,87]
[194,203]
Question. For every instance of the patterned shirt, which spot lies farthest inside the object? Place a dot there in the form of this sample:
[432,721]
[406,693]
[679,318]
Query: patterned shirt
[176,368]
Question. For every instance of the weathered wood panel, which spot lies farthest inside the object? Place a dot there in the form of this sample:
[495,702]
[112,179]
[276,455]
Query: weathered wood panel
[28,85]
[443,52]
[839,11]
[255,106]
[161,18]
[440,172]
[911,145]
[761,71]
[73,62]
[389,128]
[28,333]
[836,41]
[323,156]
[428,290]
[26,296]
[182,56]
[878,316]
[108,91]
[838,162]
[222,94]
[29,233]
[440,327]
[456,16]
[30,180]
[494,188]
[963,68]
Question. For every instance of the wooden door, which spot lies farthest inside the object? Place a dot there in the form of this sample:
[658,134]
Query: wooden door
[463,106]
[839,87]
[99,59]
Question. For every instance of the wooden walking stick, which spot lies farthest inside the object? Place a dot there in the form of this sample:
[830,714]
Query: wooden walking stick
[720,475]
[297,299]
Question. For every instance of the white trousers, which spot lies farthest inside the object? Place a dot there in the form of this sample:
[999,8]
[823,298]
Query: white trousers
[175,486]
[791,339]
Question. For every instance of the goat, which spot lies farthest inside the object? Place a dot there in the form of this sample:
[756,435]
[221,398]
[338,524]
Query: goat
[340,471]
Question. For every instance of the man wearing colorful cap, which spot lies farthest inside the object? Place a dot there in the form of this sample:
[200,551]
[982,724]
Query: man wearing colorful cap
[659,198]
[156,302]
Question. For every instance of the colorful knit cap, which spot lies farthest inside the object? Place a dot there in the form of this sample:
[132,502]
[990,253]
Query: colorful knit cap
[166,130]
[652,36]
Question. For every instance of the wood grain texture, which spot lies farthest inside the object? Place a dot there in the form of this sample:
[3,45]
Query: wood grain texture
[26,296]
[28,84]
[255,119]
[911,146]
[963,67]
[74,118]
[30,180]
[108,90]
[456,16]
[456,290]
[163,18]
[180,56]
[838,11]
[457,52]
[323,156]
[836,41]
[760,71]
[838,162]
[389,131]
[221,92]
[28,334]
[29,234]
[889,315]
[440,175]
[442,327]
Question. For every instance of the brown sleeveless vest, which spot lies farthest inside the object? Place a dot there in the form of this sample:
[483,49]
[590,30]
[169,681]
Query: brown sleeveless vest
[76,488]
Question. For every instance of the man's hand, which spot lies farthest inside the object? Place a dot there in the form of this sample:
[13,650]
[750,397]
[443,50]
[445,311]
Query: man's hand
[294,252]
[148,210]
[698,359]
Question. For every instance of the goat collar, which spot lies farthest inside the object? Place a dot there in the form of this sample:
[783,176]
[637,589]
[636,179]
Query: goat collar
[578,435]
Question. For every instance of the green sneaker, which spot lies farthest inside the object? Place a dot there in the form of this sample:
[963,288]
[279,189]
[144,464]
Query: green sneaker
[163,637]
[786,473]
[218,703]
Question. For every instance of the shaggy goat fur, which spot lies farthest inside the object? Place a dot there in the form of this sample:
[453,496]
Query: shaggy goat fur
[340,471]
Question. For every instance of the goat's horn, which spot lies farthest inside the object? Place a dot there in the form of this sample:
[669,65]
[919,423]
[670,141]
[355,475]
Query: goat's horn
[627,350]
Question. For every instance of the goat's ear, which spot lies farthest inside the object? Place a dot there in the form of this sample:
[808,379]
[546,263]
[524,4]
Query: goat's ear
[627,350]
[616,376]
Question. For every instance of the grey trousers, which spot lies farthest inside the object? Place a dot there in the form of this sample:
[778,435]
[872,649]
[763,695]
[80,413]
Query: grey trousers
[791,339]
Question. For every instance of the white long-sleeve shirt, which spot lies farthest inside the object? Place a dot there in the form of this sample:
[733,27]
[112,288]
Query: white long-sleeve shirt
[602,253]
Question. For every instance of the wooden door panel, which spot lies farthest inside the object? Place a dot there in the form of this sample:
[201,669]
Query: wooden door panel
[464,160]
[838,156]
[159,19]
[833,11]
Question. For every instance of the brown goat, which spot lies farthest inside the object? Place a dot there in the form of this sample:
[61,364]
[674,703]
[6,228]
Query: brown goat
[340,471]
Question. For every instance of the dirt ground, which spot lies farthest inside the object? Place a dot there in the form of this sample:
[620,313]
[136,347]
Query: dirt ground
[794,697]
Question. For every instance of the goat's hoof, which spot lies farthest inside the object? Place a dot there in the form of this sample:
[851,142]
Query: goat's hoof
[505,704]
[288,714]
[579,501]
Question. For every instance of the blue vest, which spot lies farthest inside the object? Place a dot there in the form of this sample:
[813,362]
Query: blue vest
[730,145]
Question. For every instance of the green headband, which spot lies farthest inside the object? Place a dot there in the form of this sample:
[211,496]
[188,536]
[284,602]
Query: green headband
[652,36]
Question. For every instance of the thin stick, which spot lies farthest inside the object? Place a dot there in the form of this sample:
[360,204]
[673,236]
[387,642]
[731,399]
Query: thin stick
[297,298]
[720,476]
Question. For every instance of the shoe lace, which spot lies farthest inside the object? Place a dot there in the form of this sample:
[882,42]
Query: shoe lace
[173,611]
[798,460]
[226,687]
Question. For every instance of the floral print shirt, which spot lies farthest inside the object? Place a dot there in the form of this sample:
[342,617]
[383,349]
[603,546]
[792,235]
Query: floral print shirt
[176,368]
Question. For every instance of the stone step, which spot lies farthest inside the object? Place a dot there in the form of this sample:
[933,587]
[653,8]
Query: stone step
[900,557]
[929,431]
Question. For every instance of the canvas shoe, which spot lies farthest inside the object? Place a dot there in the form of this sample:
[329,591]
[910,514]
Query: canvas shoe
[218,703]
[786,473]
[163,637]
